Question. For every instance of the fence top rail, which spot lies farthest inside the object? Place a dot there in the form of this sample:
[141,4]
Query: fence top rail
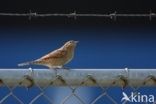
[78,77]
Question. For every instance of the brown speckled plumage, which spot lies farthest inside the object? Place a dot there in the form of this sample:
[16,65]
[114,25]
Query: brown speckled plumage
[57,58]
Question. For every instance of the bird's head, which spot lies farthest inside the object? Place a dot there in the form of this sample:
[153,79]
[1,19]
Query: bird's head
[70,44]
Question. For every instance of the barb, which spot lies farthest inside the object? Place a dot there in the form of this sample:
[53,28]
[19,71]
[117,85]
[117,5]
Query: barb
[74,15]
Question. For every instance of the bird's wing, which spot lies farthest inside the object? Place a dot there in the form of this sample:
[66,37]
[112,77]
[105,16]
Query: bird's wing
[59,53]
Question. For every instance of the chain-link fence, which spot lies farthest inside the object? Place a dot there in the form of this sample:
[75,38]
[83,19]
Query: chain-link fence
[77,86]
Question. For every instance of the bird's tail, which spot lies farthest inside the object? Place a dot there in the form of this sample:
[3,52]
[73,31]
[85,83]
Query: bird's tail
[26,63]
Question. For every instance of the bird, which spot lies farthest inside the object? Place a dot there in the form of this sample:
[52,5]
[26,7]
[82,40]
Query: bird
[57,58]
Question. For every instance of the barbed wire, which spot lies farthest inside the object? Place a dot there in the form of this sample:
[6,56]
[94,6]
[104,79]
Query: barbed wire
[74,15]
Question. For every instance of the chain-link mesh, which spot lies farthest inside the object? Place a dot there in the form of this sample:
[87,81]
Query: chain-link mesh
[90,90]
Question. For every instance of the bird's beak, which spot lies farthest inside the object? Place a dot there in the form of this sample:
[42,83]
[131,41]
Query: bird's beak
[76,42]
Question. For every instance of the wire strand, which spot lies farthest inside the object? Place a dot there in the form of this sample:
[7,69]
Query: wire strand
[113,16]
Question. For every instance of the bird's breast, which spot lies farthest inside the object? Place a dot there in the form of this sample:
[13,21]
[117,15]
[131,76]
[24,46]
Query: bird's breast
[70,55]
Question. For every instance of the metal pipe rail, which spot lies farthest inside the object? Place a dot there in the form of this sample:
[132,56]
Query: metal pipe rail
[78,77]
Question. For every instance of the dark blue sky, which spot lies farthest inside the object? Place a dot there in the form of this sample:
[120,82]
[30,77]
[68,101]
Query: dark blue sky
[99,47]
